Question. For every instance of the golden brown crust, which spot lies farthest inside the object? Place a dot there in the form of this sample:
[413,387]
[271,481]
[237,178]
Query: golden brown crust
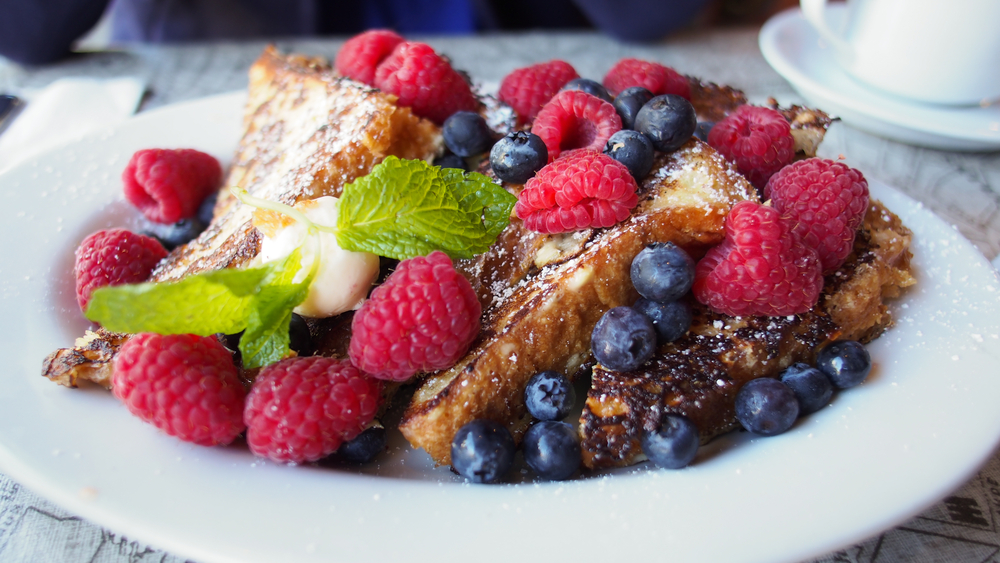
[699,375]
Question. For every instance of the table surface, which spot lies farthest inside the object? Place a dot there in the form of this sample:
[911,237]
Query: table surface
[962,188]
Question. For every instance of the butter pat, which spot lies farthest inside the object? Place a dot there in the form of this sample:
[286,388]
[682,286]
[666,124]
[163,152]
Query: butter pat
[343,277]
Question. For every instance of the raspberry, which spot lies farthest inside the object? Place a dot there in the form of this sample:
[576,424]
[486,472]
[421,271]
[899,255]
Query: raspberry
[168,185]
[423,318]
[826,201]
[303,408]
[654,77]
[757,139]
[575,120]
[583,190]
[528,89]
[361,54]
[761,267]
[424,82]
[184,384]
[114,257]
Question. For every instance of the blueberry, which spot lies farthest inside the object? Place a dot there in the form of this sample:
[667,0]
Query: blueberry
[671,319]
[451,161]
[845,362]
[668,120]
[482,451]
[632,149]
[172,236]
[589,86]
[466,133]
[549,396]
[299,337]
[662,272]
[766,406]
[629,102]
[552,449]
[812,388]
[232,343]
[623,339]
[701,131]
[674,444]
[364,447]
[516,157]
[207,208]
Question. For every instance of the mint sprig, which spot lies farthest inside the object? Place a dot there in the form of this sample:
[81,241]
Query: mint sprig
[407,208]
[257,300]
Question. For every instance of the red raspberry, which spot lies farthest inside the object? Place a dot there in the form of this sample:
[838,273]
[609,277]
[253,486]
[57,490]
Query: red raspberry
[757,139]
[184,384]
[168,185]
[826,201]
[114,257]
[761,267]
[528,89]
[424,82]
[575,120]
[301,409]
[654,77]
[423,318]
[361,54]
[583,190]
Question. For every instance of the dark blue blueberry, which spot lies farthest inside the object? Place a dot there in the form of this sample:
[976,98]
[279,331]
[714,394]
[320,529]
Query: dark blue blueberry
[552,450]
[623,339]
[629,102]
[811,387]
[517,156]
[662,272]
[674,444]
[549,396]
[845,362]
[466,133]
[364,447]
[451,161]
[207,207]
[172,236]
[232,343]
[299,336]
[668,120]
[766,406]
[632,149]
[701,131]
[671,319]
[592,87]
[482,451]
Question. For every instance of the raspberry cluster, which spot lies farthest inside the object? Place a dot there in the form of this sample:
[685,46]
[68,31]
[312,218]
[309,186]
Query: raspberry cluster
[420,78]
[528,89]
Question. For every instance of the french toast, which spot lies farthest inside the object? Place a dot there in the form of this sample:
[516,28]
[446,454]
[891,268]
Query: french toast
[308,132]
[698,375]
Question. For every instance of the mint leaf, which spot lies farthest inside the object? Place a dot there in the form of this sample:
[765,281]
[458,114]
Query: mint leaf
[265,340]
[203,304]
[407,208]
[258,301]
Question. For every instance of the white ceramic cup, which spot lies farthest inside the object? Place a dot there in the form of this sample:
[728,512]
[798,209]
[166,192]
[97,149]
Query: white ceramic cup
[937,51]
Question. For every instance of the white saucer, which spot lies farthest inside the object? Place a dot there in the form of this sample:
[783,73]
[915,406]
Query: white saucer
[794,49]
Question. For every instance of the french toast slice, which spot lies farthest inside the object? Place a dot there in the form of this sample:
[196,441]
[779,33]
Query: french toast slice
[542,295]
[699,375]
[308,132]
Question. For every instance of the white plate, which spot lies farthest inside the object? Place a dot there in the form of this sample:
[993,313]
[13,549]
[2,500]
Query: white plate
[791,45]
[918,429]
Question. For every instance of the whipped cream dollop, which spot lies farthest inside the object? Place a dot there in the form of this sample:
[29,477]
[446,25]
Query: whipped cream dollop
[343,277]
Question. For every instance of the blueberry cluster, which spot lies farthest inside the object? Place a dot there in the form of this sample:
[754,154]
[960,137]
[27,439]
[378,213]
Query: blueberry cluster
[184,231]
[483,450]
[770,406]
[649,123]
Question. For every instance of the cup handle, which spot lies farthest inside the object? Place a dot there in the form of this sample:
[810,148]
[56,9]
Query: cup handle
[815,12]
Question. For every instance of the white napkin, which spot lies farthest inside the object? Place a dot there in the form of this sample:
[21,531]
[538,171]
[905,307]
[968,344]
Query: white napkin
[66,110]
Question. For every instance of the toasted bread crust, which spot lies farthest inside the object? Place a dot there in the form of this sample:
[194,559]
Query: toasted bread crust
[699,375]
